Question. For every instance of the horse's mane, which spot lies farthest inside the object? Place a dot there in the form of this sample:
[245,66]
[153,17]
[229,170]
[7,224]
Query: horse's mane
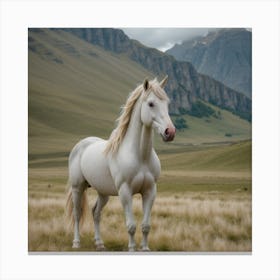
[123,121]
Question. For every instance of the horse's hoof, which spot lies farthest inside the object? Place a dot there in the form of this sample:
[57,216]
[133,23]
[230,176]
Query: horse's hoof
[131,249]
[76,244]
[145,249]
[100,247]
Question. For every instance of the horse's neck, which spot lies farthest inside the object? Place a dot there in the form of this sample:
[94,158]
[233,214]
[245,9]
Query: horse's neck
[139,136]
[146,143]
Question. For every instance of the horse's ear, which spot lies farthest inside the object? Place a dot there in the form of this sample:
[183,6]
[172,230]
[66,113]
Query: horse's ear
[146,84]
[163,82]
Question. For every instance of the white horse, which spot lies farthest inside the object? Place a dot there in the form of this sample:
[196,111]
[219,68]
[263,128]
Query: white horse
[124,165]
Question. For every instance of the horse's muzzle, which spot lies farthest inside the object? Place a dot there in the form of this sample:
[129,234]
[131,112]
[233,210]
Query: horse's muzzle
[169,134]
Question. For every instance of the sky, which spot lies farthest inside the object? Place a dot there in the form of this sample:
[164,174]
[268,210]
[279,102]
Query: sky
[163,38]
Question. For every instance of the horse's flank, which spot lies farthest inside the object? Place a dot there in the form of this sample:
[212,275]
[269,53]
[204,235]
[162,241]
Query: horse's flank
[123,121]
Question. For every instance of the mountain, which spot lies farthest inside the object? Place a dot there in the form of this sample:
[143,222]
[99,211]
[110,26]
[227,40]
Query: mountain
[76,89]
[225,55]
[185,87]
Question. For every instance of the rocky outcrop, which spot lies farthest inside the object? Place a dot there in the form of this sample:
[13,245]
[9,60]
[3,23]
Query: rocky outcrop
[225,55]
[185,84]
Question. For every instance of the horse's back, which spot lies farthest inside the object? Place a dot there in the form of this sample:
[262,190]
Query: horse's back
[78,149]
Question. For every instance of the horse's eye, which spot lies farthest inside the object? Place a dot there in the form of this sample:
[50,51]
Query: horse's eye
[151,104]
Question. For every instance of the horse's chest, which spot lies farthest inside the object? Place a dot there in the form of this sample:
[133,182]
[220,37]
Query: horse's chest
[142,180]
[128,169]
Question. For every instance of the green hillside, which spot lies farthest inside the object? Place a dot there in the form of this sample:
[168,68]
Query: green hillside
[226,128]
[76,90]
[235,157]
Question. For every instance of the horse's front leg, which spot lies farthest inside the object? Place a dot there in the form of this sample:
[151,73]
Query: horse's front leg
[148,198]
[126,200]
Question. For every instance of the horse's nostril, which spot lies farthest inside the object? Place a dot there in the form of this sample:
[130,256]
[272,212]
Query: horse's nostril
[166,132]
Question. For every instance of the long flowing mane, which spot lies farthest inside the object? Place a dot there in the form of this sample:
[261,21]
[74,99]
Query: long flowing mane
[123,121]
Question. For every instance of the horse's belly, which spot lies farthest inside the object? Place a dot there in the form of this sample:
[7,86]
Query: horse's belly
[95,169]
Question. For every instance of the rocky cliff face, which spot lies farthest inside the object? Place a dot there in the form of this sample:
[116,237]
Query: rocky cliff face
[225,55]
[185,85]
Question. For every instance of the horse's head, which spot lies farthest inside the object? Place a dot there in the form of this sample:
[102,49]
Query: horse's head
[154,110]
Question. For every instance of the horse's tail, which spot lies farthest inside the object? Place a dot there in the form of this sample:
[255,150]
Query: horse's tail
[69,217]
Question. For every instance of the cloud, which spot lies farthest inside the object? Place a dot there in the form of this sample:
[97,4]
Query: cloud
[163,38]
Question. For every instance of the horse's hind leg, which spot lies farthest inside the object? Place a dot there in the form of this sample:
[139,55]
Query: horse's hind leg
[77,208]
[96,213]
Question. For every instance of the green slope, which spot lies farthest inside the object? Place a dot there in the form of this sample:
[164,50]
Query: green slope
[235,157]
[208,168]
[77,97]
[228,127]
[76,90]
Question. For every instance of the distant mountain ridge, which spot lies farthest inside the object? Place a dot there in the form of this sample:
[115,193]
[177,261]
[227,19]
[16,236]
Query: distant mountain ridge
[185,87]
[225,55]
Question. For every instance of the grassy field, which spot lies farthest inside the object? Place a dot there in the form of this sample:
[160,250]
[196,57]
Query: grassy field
[198,208]
[75,90]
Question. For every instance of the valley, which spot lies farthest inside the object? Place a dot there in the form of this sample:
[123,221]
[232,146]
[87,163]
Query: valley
[76,90]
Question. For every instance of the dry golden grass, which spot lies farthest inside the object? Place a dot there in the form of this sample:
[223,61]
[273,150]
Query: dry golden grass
[184,221]
[204,204]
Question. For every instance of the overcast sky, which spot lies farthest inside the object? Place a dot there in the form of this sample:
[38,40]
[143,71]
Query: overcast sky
[163,38]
